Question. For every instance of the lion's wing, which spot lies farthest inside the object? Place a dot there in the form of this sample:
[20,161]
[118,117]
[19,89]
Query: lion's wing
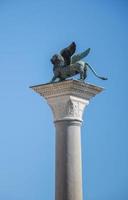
[80,56]
[67,52]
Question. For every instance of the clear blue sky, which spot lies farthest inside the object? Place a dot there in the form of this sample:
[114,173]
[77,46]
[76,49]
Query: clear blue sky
[30,33]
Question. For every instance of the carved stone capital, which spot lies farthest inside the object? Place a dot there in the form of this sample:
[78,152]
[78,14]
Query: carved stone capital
[67,99]
[67,107]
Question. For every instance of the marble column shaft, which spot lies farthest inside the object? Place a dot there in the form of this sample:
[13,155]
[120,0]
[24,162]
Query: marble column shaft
[68,160]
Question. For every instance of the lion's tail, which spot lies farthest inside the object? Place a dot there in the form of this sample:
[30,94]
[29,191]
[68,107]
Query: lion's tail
[103,78]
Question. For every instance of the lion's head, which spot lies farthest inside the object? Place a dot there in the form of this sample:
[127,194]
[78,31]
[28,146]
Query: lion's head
[57,60]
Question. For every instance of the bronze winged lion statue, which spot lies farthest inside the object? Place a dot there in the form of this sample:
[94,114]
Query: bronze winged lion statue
[66,64]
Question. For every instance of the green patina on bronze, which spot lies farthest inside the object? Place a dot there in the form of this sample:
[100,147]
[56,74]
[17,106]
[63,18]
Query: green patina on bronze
[66,64]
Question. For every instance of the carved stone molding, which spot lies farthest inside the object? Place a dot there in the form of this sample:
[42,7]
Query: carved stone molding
[68,87]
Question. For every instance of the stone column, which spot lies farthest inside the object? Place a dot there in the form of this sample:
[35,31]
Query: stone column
[67,100]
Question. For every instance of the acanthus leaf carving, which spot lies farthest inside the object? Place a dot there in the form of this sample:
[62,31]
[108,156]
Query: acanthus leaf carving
[67,107]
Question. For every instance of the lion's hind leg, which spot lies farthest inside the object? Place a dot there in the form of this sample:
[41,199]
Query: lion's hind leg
[82,73]
[85,73]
